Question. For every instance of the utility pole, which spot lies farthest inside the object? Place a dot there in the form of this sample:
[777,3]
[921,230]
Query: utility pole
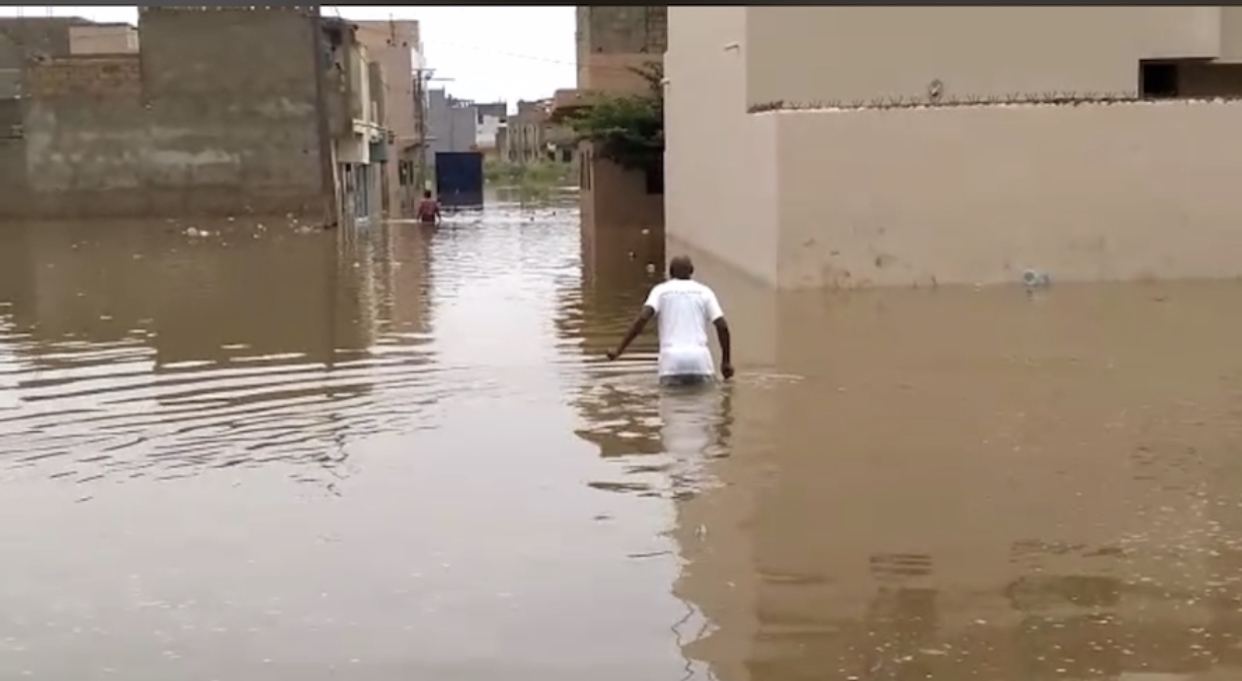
[422,78]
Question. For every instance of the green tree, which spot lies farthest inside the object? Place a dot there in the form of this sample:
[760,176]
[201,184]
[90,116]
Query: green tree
[627,129]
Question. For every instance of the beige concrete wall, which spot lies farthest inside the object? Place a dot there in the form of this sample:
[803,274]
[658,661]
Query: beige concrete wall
[103,39]
[389,43]
[1231,34]
[970,194]
[720,162]
[977,194]
[867,52]
[611,197]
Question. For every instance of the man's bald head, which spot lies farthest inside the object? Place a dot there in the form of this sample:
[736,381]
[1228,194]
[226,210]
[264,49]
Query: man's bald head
[680,267]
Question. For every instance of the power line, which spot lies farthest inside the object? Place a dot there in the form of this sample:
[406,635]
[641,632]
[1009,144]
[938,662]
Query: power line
[515,55]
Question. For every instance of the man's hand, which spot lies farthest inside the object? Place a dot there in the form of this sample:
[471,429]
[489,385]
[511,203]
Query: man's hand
[726,370]
[612,355]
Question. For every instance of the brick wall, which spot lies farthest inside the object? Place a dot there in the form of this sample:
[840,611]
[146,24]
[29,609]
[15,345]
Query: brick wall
[84,76]
[623,30]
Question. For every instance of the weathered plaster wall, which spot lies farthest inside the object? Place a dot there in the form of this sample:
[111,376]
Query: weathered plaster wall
[217,116]
[12,147]
[972,195]
[976,195]
[612,39]
[84,136]
[23,37]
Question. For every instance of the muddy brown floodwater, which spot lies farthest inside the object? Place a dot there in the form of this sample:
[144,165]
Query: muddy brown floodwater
[263,454]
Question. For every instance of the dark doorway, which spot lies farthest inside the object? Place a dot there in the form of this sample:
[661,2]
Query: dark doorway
[655,176]
[1158,80]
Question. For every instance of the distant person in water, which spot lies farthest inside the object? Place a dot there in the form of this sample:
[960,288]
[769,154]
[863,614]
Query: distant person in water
[428,209]
[683,309]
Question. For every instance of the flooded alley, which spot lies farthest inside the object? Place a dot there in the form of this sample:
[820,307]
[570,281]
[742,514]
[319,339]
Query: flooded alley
[253,451]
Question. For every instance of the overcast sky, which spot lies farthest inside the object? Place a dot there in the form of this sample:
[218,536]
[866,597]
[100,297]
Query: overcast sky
[490,53]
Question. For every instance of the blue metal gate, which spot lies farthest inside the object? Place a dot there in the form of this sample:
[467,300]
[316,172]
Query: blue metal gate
[459,178]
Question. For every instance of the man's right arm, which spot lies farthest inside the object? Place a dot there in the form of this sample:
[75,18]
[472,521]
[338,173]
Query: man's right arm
[650,308]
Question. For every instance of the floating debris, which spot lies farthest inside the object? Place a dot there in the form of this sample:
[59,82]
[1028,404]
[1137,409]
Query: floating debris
[1035,279]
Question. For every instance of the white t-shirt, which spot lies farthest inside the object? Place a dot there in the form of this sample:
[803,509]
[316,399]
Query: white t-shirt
[684,308]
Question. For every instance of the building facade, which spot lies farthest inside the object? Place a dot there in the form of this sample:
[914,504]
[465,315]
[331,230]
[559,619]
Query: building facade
[396,47]
[215,115]
[359,139]
[612,42]
[954,145]
[532,135]
[492,118]
[451,124]
[213,112]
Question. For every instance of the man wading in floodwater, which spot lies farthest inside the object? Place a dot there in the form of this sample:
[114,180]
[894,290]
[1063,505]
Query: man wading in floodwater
[683,308]
[428,209]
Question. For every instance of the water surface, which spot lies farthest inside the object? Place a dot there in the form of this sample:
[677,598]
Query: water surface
[277,453]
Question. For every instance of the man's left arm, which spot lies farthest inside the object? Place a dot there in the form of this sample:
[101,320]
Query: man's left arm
[716,316]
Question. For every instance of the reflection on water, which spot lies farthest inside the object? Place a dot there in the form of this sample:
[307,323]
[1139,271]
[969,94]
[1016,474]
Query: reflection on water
[949,484]
[249,344]
[392,453]
[276,453]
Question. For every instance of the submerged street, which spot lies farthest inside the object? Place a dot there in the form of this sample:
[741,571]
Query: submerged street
[265,452]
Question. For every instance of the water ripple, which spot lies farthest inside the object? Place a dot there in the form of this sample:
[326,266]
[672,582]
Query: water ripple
[342,337]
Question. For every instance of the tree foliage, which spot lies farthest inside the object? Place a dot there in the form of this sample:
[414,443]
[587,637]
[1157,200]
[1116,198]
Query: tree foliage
[627,129]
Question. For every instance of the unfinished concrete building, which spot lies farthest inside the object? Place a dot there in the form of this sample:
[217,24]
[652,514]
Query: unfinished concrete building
[452,124]
[611,41]
[492,118]
[627,204]
[955,144]
[223,111]
[355,108]
[533,136]
[395,46]
[214,116]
